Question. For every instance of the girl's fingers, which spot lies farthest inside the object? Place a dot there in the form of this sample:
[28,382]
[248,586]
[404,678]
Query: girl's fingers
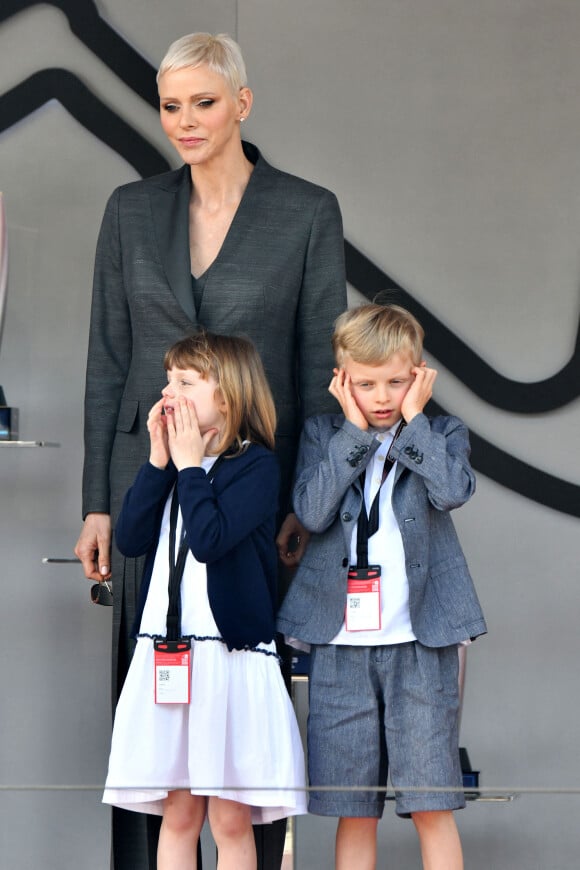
[170,422]
[181,415]
[155,411]
[186,416]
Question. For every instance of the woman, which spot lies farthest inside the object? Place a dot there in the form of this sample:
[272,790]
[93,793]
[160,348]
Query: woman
[227,242]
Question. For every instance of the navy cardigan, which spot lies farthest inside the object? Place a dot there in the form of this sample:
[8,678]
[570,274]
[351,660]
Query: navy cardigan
[230,526]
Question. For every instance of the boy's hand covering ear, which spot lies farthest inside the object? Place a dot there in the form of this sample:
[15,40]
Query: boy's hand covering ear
[341,390]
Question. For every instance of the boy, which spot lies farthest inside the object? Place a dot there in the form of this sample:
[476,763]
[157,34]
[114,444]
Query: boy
[384,631]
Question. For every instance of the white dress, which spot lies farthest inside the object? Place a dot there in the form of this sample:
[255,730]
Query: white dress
[237,739]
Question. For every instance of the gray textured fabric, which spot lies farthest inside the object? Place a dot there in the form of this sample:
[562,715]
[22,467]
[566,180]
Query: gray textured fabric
[278,279]
[432,477]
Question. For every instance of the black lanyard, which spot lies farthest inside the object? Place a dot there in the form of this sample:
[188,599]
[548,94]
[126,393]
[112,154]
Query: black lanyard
[368,525]
[177,563]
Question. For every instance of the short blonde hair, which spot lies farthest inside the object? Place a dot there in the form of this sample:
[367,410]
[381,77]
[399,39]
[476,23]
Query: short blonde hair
[371,334]
[235,365]
[220,53]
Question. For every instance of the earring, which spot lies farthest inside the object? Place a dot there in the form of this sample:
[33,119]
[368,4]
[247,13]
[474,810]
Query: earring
[242,119]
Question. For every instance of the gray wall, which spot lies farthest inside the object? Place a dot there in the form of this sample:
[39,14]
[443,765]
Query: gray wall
[450,132]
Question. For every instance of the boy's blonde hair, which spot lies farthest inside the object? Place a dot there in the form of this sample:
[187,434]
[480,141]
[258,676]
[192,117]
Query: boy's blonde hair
[235,365]
[371,334]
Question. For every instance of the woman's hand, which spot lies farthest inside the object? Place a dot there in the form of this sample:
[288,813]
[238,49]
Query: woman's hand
[187,445]
[157,428]
[93,547]
[341,390]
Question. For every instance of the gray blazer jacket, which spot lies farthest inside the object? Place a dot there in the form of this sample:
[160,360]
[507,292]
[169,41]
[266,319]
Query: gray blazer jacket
[432,476]
[278,279]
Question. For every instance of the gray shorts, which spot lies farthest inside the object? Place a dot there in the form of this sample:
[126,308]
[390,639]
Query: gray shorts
[379,710]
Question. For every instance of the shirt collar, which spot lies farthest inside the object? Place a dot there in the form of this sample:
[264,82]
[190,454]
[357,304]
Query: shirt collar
[384,434]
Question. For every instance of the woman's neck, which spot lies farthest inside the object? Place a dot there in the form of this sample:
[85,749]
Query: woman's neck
[219,183]
[215,197]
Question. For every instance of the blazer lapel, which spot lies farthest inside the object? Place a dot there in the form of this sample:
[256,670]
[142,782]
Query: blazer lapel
[222,275]
[170,212]
[399,469]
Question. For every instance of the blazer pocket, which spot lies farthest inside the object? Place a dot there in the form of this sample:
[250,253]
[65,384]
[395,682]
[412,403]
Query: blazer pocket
[304,595]
[452,586]
[127,415]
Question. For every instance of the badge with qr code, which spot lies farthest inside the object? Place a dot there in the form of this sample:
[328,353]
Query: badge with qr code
[172,671]
[363,599]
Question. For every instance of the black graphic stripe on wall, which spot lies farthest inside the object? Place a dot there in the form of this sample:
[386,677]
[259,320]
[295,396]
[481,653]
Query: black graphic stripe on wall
[461,360]
[88,26]
[94,115]
[519,476]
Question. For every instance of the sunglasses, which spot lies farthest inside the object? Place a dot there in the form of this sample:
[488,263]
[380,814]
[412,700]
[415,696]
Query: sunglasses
[102,593]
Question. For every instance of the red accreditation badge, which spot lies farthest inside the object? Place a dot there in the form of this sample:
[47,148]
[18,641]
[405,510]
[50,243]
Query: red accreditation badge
[363,599]
[172,671]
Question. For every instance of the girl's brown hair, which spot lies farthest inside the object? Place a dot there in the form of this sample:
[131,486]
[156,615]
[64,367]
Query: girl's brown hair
[236,366]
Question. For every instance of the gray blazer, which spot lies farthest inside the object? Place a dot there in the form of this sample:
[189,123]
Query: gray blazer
[278,279]
[432,476]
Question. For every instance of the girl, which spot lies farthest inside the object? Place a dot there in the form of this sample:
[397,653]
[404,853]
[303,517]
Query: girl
[233,752]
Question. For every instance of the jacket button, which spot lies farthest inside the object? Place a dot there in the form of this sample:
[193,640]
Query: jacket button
[347,517]
[345,563]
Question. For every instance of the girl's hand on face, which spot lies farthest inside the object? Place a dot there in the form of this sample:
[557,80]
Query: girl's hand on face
[340,388]
[186,443]
[419,392]
[157,428]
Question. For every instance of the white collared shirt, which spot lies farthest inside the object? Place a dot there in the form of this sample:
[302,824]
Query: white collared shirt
[386,550]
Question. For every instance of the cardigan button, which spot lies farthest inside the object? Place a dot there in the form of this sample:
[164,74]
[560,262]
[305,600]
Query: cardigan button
[345,563]
[347,517]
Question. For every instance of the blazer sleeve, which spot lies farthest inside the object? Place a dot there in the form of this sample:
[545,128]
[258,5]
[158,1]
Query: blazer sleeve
[138,524]
[438,450]
[217,516]
[322,299]
[109,357]
[330,459]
